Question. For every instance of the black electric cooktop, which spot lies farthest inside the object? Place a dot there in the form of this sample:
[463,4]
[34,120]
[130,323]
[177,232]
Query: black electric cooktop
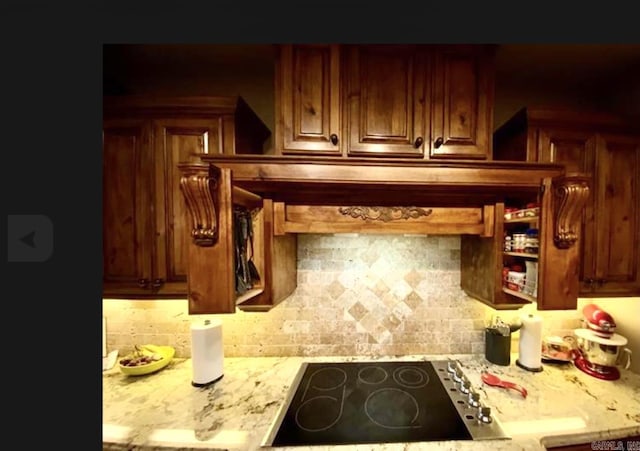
[371,402]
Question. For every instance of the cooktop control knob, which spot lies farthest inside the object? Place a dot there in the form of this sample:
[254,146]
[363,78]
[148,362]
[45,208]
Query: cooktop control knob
[452,366]
[465,385]
[457,374]
[474,399]
[484,414]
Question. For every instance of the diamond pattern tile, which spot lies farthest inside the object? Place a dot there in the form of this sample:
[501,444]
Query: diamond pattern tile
[335,289]
[365,295]
[413,278]
[358,311]
[413,300]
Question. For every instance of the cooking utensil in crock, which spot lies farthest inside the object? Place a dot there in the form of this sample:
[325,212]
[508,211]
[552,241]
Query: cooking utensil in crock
[495,381]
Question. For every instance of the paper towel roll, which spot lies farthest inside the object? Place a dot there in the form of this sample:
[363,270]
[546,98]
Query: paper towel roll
[530,344]
[206,352]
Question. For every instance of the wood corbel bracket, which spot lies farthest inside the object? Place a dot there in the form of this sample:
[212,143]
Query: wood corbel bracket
[198,184]
[570,196]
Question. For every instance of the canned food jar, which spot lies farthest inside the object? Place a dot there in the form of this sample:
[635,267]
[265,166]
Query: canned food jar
[531,246]
[519,242]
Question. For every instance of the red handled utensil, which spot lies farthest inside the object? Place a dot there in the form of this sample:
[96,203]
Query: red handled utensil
[495,381]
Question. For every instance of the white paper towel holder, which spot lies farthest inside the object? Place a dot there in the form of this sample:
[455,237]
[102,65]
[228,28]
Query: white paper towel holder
[211,356]
[525,367]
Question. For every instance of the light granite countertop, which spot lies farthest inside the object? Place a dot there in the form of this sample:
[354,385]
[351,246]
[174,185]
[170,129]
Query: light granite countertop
[164,411]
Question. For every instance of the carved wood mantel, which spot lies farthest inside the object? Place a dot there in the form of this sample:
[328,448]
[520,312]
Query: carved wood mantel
[294,195]
[317,182]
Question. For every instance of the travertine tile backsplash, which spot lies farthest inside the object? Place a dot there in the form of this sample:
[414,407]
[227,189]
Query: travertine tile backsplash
[356,295]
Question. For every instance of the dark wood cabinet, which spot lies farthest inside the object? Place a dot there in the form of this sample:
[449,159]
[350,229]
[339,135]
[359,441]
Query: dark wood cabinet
[145,218]
[462,103]
[385,100]
[413,101]
[126,243]
[308,103]
[608,149]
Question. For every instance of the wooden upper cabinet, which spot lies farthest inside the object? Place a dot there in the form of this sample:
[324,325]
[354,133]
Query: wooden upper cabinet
[145,221]
[374,100]
[608,149]
[615,267]
[308,104]
[385,100]
[462,102]
[126,206]
[177,140]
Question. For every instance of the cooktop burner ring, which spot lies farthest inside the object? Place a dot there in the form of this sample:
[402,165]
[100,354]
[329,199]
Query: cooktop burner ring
[343,374]
[399,377]
[301,414]
[397,403]
[364,379]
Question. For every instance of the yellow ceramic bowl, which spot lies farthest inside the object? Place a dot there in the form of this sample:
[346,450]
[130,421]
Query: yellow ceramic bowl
[167,353]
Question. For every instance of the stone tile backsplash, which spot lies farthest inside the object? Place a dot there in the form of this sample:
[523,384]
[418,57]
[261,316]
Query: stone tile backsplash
[356,295]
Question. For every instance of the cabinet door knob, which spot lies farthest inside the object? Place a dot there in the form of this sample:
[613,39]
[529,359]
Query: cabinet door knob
[157,283]
[334,139]
[143,283]
[601,282]
[438,142]
[418,142]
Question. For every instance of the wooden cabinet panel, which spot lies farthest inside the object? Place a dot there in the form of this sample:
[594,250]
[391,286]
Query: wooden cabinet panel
[462,103]
[309,99]
[372,100]
[608,149]
[145,221]
[127,245]
[385,101]
[609,248]
[178,140]
[617,197]
[576,150]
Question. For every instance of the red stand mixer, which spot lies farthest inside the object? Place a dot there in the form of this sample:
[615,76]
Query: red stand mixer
[599,347]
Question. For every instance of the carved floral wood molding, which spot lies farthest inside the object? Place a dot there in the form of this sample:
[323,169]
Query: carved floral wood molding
[384,214]
[197,184]
[570,197]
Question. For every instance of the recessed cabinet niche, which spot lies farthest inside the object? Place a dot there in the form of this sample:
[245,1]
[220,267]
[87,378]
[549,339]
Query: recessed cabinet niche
[553,213]
[145,223]
[413,101]
[608,149]
[213,259]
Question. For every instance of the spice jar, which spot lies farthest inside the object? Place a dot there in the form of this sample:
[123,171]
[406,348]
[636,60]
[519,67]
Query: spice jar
[507,243]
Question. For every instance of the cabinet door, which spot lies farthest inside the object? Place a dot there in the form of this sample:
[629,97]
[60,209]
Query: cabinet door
[576,150]
[617,203]
[385,101]
[176,140]
[126,208]
[308,99]
[462,120]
